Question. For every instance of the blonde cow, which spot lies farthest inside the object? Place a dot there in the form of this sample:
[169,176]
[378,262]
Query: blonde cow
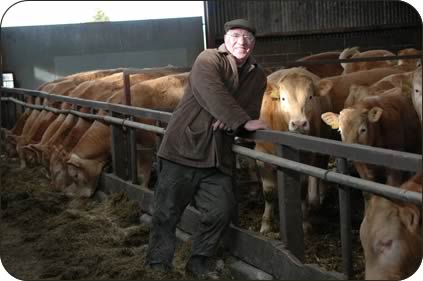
[91,153]
[60,152]
[391,236]
[386,121]
[292,102]
[417,91]
[354,53]
[401,80]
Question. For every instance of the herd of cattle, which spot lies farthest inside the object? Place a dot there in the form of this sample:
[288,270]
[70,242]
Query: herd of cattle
[376,103]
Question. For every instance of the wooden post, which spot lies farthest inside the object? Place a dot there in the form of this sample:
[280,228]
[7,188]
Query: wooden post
[345,220]
[290,212]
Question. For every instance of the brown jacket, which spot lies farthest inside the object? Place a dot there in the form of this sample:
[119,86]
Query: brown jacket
[215,91]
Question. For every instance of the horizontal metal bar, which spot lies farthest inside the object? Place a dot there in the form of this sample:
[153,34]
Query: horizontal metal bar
[133,124]
[355,152]
[358,183]
[373,155]
[140,112]
[119,108]
[152,70]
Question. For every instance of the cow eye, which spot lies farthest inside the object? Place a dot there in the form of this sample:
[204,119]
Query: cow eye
[362,130]
[310,97]
[283,98]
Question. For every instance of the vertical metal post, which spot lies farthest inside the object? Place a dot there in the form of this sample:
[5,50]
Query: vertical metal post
[132,142]
[12,114]
[345,220]
[159,139]
[119,150]
[209,12]
[131,134]
[290,212]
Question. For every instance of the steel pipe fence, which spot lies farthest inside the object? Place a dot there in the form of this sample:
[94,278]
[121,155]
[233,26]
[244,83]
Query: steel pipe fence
[289,147]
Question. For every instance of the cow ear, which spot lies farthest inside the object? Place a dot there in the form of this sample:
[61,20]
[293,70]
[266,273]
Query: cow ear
[374,114]
[324,87]
[332,119]
[273,90]
[411,218]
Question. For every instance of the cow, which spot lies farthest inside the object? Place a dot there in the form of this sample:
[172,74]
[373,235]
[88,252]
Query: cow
[354,53]
[99,90]
[386,121]
[25,121]
[412,63]
[39,121]
[341,84]
[417,91]
[59,153]
[391,235]
[91,153]
[400,80]
[293,101]
[96,91]
[61,86]
[323,70]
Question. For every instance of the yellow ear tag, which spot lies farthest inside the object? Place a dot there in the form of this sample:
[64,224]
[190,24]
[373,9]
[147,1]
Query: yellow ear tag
[274,94]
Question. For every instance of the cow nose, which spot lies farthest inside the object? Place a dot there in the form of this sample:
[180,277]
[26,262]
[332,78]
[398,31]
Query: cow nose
[299,124]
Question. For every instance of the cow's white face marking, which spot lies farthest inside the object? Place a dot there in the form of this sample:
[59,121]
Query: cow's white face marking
[296,100]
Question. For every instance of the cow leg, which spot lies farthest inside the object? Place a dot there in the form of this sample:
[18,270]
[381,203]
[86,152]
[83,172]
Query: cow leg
[317,188]
[305,206]
[268,179]
[313,192]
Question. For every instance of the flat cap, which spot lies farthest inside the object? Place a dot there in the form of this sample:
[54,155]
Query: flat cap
[240,23]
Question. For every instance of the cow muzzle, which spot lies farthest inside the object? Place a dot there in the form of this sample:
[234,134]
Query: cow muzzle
[299,126]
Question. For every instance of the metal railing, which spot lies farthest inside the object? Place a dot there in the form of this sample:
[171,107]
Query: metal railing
[289,147]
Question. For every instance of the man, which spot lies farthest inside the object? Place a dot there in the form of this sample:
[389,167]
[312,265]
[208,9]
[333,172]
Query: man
[222,98]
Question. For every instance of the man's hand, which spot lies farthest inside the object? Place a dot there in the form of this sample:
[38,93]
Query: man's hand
[253,125]
[220,125]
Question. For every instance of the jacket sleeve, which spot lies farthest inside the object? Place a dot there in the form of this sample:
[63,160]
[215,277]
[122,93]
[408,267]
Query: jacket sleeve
[210,91]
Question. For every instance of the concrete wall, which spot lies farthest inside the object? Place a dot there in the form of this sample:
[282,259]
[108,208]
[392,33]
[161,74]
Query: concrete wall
[37,54]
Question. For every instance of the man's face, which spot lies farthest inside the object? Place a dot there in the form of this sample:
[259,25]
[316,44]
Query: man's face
[240,43]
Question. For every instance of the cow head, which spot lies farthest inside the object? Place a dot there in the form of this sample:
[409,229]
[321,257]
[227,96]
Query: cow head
[390,235]
[31,154]
[58,172]
[417,91]
[354,123]
[298,97]
[10,145]
[83,175]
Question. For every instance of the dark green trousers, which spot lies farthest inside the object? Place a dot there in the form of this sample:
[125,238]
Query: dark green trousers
[211,193]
